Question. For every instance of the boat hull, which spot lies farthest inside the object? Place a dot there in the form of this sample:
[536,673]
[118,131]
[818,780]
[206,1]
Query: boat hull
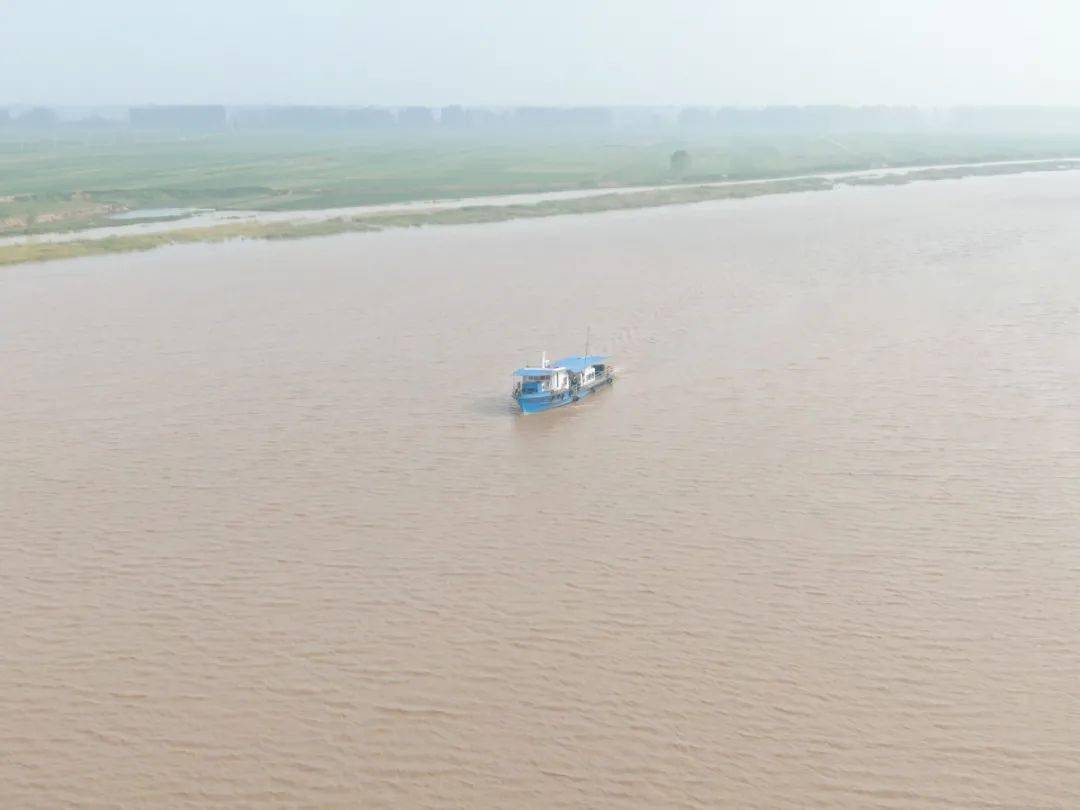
[547,402]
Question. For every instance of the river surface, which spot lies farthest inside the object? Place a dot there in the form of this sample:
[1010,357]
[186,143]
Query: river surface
[271,534]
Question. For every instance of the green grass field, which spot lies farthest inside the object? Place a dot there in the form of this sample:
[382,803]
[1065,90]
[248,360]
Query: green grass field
[71,182]
[375,220]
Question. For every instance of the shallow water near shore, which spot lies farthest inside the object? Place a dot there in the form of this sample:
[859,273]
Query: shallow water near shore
[272,535]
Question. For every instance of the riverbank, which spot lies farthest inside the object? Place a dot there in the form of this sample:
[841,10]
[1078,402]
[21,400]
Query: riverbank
[78,180]
[376,220]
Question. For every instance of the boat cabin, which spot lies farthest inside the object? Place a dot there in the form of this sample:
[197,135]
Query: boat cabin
[584,370]
[541,380]
[576,371]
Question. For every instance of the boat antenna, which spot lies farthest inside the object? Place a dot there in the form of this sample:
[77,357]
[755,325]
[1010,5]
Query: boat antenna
[586,345]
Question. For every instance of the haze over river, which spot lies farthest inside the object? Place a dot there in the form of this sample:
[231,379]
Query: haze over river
[272,535]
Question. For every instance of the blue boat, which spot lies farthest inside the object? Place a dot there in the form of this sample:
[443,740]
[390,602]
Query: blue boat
[547,386]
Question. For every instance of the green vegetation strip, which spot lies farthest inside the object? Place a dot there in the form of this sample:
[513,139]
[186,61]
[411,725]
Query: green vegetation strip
[84,179]
[475,214]
[472,214]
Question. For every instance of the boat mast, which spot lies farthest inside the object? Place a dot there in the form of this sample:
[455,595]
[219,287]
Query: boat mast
[586,346]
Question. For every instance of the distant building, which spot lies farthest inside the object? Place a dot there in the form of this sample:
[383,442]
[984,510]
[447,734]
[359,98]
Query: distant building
[310,118]
[808,120]
[454,117]
[416,118]
[37,118]
[565,118]
[205,118]
[368,118]
[696,118]
[480,118]
[1015,119]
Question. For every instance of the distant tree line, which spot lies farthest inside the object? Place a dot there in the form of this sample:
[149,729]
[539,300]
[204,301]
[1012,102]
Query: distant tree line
[32,118]
[535,119]
[814,119]
[452,117]
[189,117]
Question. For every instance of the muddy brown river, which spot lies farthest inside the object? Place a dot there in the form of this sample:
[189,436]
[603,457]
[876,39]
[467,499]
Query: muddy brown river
[272,535]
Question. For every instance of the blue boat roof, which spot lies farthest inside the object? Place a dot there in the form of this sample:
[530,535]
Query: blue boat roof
[579,362]
[575,363]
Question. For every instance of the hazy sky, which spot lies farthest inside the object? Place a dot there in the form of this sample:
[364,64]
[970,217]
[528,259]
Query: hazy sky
[926,52]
